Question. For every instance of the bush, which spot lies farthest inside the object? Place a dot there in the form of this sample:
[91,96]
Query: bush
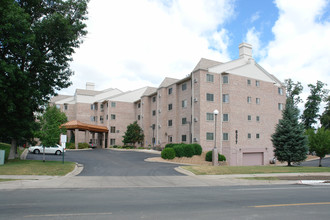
[198,149]
[83,145]
[178,150]
[69,145]
[128,147]
[208,157]
[188,150]
[170,145]
[168,153]
[6,148]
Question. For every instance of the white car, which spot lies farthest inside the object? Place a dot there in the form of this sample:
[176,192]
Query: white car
[57,149]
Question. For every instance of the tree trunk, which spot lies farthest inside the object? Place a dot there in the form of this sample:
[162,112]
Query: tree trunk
[13,150]
[289,163]
[320,165]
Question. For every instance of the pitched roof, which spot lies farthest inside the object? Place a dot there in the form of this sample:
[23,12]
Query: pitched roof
[204,64]
[83,126]
[87,92]
[149,91]
[168,81]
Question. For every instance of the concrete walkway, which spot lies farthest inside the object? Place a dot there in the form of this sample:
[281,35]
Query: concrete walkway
[73,181]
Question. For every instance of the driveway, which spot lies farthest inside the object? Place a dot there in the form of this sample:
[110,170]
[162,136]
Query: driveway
[315,163]
[105,162]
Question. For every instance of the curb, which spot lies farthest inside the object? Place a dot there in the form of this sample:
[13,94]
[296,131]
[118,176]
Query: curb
[136,150]
[24,154]
[78,168]
[183,171]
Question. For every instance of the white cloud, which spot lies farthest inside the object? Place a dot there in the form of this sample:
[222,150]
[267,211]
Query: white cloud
[300,50]
[132,44]
[255,17]
[253,37]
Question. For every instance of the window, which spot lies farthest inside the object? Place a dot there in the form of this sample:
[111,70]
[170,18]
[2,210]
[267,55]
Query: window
[225,117]
[280,106]
[249,135]
[258,100]
[280,91]
[170,123]
[107,117]
[249,99]
[170,106]
[170,90]
[58,106]
[112,141]
[225,79]
[225,98]
[209,136]
[101,107]
[184,86]
[139,117]
[92,107]
[154,99]
[184,121]
[101,119]
[113,117]
[258,118]
[184,138]
[154,112]
[113,104]
[257,136]
[209,78]
[249,118]
[209,97]
[170,139]
[65,106]
[249,82]
[92,118]
[112,129]
[139,105]
[184,103]
[225,136]
[209,116]
[257,83]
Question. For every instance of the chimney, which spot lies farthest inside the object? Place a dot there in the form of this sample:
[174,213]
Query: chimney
[90,86]
[245,50]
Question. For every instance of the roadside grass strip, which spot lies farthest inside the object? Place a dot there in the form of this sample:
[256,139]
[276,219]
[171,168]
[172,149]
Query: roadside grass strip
[226,170]
[36,167]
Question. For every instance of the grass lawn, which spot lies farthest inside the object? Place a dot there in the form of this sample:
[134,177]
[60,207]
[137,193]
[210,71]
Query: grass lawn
[224,170]
[36,167]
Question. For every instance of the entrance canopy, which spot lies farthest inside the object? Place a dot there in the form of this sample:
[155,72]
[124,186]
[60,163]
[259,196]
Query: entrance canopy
[72,125]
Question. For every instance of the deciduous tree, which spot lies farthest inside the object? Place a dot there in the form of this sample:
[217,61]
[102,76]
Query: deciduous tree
[325,117]
[319,142]
[134,134]
[37,40]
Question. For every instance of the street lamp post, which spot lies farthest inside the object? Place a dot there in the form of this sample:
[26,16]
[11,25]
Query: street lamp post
[215,150]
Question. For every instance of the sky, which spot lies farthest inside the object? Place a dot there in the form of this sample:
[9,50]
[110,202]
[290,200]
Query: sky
[136,43]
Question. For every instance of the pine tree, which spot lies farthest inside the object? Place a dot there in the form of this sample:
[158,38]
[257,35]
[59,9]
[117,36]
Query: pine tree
[325,117]
[134,134]
[289,140]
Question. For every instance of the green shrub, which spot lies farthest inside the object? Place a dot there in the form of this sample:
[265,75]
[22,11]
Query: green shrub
[6,148]
[128,147]
[168,153]
[208,157]
[178,150]
[115,146]
[170,145]
[83,145]
[198,149]
[69,145]
[188,150]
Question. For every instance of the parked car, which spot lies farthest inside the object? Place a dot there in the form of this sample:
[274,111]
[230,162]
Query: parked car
[57,149]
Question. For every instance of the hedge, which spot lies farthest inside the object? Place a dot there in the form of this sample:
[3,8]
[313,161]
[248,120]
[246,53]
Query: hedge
[198,149]
[6,148]
[70,145]
[185,150]
[83,145]
[208,157]
[168,153]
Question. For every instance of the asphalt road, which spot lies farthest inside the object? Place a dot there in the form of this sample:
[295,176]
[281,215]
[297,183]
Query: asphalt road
[103,162]
[315,163]
[239,202]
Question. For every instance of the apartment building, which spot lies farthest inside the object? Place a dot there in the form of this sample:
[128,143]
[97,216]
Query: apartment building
[248,98]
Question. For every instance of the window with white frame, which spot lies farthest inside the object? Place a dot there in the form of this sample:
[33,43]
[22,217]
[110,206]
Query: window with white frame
[113,117]
[154,99]
[184,138]
[112,129]
[102,107]
[210,97]
[209,116]
[225,98]
[249,99]
[249,135]
[225,79]
[170,123]
[184,86]
[225,117]
[258,118]
[153,112]
[170,90]
[209,78]
[225,136]
[58,106]
[170,107]
[112,141]
[209,136]
[249,117]
[258,101]
[65,106]
[248,82]
[170,139]
[257,83]
[280,106]
[184,121]
[257,136]
[113,104]
[101,118]
[280,91]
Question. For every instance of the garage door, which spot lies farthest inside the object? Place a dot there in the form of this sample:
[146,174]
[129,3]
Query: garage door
[252,159]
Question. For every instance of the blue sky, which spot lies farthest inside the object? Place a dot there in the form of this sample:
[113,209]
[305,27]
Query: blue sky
[137,43]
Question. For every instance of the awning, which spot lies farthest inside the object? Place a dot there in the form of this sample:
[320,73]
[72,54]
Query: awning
[72,125]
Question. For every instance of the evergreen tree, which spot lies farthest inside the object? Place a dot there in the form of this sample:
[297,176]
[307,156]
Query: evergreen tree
[134,134]
[325,117]
[289,140]
[312,106]
[50,123]
[293,91]
[37,40]
[319,142]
